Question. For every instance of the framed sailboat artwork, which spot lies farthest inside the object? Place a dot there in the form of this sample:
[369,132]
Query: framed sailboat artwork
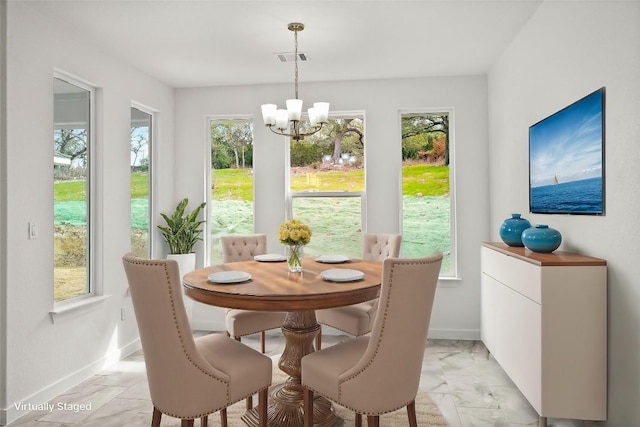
[566,159]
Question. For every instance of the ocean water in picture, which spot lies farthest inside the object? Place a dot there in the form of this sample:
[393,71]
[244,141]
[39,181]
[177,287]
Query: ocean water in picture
[583,196]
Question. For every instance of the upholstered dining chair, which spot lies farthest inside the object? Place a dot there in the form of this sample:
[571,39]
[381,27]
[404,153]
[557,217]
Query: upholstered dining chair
[189,378]
[357,319]
[243,247]
[380,373]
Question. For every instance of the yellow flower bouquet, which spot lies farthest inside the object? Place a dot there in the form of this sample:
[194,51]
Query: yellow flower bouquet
[294,235]
[294,232]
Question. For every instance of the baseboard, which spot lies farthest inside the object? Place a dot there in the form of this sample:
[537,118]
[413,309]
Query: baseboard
[12,413]
[454,334]
[130,348]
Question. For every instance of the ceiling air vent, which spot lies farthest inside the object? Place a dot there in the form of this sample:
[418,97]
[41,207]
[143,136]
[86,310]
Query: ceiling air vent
[290,56]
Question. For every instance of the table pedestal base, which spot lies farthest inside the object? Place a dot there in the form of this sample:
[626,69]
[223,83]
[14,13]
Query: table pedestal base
[286,409]
[285,400]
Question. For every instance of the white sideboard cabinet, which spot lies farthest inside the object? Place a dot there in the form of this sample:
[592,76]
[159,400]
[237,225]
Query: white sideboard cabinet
[544,320]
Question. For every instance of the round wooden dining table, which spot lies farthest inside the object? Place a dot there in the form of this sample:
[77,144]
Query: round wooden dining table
[273,288]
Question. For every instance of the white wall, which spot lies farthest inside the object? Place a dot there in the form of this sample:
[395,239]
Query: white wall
[3,192]
[567,50]
[42,358]
[456,310]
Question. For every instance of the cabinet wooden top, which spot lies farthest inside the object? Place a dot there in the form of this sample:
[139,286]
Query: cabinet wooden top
[556,258]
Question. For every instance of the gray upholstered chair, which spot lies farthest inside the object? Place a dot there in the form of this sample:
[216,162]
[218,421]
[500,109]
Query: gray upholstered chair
[246,322]
[189,378]
[380,373]
[358,319]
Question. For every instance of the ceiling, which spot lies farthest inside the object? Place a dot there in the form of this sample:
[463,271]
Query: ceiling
[192,43]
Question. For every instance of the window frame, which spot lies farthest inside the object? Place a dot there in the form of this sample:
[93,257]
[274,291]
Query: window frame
[209,121]
[152,131]
[290,195]
[452,274]
[94,291]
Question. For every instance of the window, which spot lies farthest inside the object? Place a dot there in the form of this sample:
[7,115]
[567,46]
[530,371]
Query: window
[231,181]
[427,202]
[140,182]
[72,140]
[327,175]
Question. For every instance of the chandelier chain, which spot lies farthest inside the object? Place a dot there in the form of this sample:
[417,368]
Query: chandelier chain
[295,35]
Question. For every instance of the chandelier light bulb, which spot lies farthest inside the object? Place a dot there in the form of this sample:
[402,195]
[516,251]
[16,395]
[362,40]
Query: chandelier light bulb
[322,111]
[269,114]
[313,118]
[294,107]
[282,119]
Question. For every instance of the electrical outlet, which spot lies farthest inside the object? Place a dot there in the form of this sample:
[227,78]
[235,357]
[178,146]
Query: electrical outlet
[123,314]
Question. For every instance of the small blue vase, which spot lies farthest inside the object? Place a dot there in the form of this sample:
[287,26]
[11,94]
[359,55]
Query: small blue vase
[541,238]
[512,228]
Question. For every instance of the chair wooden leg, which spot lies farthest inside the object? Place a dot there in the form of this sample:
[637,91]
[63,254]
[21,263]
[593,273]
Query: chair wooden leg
[307,402]
[249,402]
[373,421]
[155,419]
[204,421]
[223,417]
[358,420]
[186,423]
[262,407]
[319,340]
[262,339]
[238,339]
[411,412]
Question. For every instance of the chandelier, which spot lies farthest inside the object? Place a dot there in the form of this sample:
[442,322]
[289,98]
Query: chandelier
[287,122]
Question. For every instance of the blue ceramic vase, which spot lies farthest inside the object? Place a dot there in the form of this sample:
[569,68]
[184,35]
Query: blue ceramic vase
[512,228]
[541,238]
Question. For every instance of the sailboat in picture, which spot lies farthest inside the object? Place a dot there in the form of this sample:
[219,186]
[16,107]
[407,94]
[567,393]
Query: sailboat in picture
[555,179]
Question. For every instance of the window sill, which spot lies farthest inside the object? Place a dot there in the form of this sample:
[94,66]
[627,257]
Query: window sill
[449,282]
[77,306]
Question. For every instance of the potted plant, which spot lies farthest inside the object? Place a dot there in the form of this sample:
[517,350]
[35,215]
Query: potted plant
[181,232]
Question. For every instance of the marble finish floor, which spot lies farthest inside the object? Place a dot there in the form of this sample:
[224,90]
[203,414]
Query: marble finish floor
[468,386]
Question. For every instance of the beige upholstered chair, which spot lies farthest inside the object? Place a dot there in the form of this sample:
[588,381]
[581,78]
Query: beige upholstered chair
[380,373]
[188,378]
[358,319]
[246,322]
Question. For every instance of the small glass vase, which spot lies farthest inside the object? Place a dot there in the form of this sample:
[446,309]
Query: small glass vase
[295,255]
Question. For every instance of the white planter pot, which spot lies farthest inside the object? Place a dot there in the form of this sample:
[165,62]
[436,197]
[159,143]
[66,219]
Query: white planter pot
[186,262]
